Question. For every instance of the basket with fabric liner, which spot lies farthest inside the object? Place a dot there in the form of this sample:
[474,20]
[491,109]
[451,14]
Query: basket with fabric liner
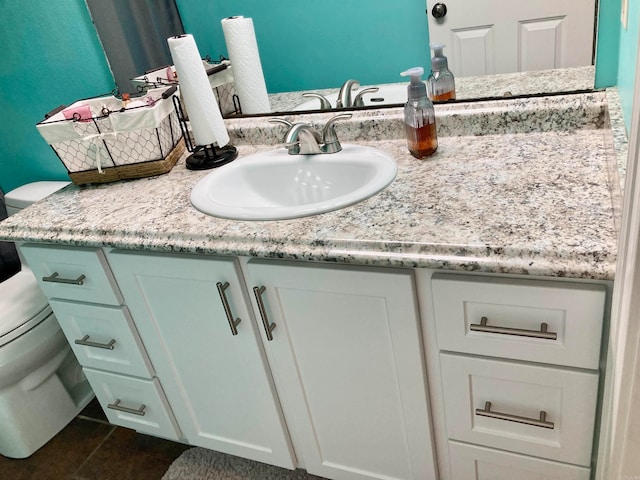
[98,141]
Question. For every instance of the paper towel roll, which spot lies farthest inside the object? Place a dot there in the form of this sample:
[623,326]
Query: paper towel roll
[245,61]
[204,114]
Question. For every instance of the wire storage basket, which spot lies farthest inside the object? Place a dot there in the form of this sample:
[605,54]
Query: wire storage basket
[106,139]
[219,73]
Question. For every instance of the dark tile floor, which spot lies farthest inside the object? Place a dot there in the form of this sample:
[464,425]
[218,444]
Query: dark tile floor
[89,448]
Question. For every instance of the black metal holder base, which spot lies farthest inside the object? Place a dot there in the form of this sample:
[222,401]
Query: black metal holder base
[210,156]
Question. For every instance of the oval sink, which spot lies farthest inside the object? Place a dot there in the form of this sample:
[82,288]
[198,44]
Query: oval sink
[391,94]
[275,185]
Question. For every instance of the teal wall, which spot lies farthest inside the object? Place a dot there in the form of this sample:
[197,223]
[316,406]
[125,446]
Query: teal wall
[51,56]
[608,43]
[373,40]
[627,61]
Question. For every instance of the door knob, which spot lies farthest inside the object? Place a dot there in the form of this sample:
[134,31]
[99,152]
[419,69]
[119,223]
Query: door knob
[439,10]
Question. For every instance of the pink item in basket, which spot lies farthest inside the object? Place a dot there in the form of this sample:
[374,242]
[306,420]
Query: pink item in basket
[81,113]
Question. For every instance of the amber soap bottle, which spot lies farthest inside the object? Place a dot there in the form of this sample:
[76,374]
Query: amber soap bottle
[441,83]
[419,116]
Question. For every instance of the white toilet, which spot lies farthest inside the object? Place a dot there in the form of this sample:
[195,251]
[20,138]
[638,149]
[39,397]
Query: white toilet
[42,387]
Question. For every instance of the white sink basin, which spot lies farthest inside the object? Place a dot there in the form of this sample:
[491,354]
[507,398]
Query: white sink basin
[391,94]
[275,185]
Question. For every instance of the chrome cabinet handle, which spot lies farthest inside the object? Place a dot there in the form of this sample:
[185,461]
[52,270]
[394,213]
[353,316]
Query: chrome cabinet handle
[268,327]
[233,324]
[88,343]
[116,406]
[519,332]
[55,278]
[541,422]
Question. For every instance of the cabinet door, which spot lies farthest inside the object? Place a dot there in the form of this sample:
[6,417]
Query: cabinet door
[217,383]
[347,360]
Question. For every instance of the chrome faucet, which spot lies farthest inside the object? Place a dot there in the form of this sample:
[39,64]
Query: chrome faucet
[344,95]
[358,101]
[303,139]
[324,103]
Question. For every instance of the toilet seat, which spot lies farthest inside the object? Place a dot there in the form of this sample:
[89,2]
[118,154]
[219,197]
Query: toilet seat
[22,305]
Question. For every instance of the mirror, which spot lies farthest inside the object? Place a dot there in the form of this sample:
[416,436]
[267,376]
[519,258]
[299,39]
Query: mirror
[316,46]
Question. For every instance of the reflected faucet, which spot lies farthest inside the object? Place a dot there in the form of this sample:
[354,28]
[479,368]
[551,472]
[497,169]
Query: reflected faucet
[324,103]
[358,101]
[344,95]
[303,139]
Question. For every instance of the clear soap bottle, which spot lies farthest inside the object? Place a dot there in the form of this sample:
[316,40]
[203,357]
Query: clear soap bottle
[441,83]
[419,116]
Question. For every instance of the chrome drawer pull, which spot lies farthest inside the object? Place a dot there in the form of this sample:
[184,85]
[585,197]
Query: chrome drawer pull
[54,278]
[233,324]
[268,327]
[88,343]
[116,406]
[542,422]
[519,332]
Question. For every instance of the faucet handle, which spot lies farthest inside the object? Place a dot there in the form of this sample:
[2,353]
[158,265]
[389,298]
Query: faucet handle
[329,136]
[358,101]
[283,122]
[324,103]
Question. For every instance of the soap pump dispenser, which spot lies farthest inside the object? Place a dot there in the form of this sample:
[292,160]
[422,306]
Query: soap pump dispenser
[419,116]
[442,85]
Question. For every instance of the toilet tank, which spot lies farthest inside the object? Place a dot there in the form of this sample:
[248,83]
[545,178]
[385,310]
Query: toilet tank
[25,195]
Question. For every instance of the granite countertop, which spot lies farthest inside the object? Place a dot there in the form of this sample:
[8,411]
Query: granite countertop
[517,186]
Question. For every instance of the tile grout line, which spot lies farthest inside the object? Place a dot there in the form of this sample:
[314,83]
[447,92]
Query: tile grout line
[95,450]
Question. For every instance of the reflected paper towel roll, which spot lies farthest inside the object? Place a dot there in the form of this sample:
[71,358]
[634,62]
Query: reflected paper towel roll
[202,108]
[245,61]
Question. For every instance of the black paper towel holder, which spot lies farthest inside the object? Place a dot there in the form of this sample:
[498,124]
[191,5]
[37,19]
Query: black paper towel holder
[203,157]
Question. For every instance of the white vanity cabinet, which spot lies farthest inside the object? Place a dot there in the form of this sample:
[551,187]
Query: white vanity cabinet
[322,366]
[343,348]
[195,322]
[88,305]
[345,351]
[519,364]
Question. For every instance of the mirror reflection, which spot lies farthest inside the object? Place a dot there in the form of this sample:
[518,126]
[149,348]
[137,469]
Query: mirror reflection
[315,48]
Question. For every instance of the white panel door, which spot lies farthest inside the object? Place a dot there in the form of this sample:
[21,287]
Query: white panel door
[486,37]
[218,384]
[347,361]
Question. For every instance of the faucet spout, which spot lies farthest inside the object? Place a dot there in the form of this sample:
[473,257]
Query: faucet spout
[344,95]
[302,139]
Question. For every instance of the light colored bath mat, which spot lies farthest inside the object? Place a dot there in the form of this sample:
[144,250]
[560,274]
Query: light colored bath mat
[202,464]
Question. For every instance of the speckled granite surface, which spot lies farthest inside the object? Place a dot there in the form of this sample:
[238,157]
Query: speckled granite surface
[523,83]
[537,193]
[619,130]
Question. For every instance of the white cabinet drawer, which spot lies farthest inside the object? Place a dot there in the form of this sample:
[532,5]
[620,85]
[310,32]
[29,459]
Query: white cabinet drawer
[470,462]
[134,403]
[518,393]
[103,337]
[73,273]
[515,312]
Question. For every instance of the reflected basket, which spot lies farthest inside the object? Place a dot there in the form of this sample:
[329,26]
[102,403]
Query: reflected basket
[105,139]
